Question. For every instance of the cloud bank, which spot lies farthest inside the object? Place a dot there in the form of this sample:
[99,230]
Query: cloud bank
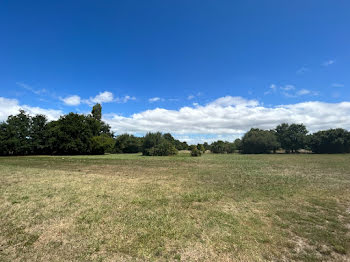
[225,118]
[12,107]
[233,116]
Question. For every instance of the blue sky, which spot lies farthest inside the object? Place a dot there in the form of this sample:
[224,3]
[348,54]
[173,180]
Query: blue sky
[199,69]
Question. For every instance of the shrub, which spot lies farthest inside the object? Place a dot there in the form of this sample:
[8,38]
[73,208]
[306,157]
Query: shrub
[154,144]
[201,148]
[218,147]
[102,144]
[195,152]
[127,144]
[165,148]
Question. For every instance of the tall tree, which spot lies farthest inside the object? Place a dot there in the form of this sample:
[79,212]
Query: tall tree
[38,134]
[97,112]
[18,134]
[291,137]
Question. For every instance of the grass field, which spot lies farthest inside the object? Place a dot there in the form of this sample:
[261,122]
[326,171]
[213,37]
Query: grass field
[212,208]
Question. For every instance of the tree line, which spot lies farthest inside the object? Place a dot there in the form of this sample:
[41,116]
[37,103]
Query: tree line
[74,134]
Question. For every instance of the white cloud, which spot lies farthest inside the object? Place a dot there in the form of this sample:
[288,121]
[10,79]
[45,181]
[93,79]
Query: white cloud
[225,118]
[155,99]
[328,63]
[125,99]
[102,97]
[12,107]
[232,116]
[71,100]
[233,101]
[303,92]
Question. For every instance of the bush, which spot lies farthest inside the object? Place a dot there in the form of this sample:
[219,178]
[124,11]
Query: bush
[165,148]
[154,144]
[201,148]
[127,144]
[102,144]
[195,152]
[218,147]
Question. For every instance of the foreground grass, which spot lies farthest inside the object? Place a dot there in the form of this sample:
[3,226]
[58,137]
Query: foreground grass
[212,208]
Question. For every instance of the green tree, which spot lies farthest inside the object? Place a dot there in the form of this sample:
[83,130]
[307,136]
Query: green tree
[17,134]
[230,147]
[330,141]
[218,147]
[97,112]
[155,144]
[38,134]
[164,148]
[3,138]
[201,148]
[257,141]
[196,152]
[238,144]
[102,144]
[291,137]
[126,143]
[71,135]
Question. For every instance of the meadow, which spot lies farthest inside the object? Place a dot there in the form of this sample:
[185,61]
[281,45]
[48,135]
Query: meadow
[218,207]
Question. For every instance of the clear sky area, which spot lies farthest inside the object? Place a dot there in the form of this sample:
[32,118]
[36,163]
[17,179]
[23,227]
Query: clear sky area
[201,70]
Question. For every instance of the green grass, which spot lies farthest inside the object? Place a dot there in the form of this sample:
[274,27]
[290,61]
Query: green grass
[211,208]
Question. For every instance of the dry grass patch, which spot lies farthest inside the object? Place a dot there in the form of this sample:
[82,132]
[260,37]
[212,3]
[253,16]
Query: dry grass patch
[213,208]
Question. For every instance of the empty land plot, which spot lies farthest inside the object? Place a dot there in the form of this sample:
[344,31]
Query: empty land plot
[211,208]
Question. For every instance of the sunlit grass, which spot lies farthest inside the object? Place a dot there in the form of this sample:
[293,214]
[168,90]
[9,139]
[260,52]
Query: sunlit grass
[211,208]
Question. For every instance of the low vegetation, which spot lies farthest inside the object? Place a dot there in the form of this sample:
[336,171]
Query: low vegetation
[78,134]
[217,207]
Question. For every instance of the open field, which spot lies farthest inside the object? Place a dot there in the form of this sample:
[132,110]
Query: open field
[212,208]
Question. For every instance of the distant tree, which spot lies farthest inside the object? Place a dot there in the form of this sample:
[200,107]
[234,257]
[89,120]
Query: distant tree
[71,135]
[155,144]
[206,146]
[238,144]
[330,141]
[218,147]
[17,134]
[164,148]
[195,151]
[97,112]
[39,134]
[126,143]
[230,147]
[257,141]
[184,146]
[201,148]
[291,137]
[3,138]
[102,144]
[169,137]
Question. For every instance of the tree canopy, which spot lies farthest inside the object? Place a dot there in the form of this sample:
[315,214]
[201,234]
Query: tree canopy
[258,141]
